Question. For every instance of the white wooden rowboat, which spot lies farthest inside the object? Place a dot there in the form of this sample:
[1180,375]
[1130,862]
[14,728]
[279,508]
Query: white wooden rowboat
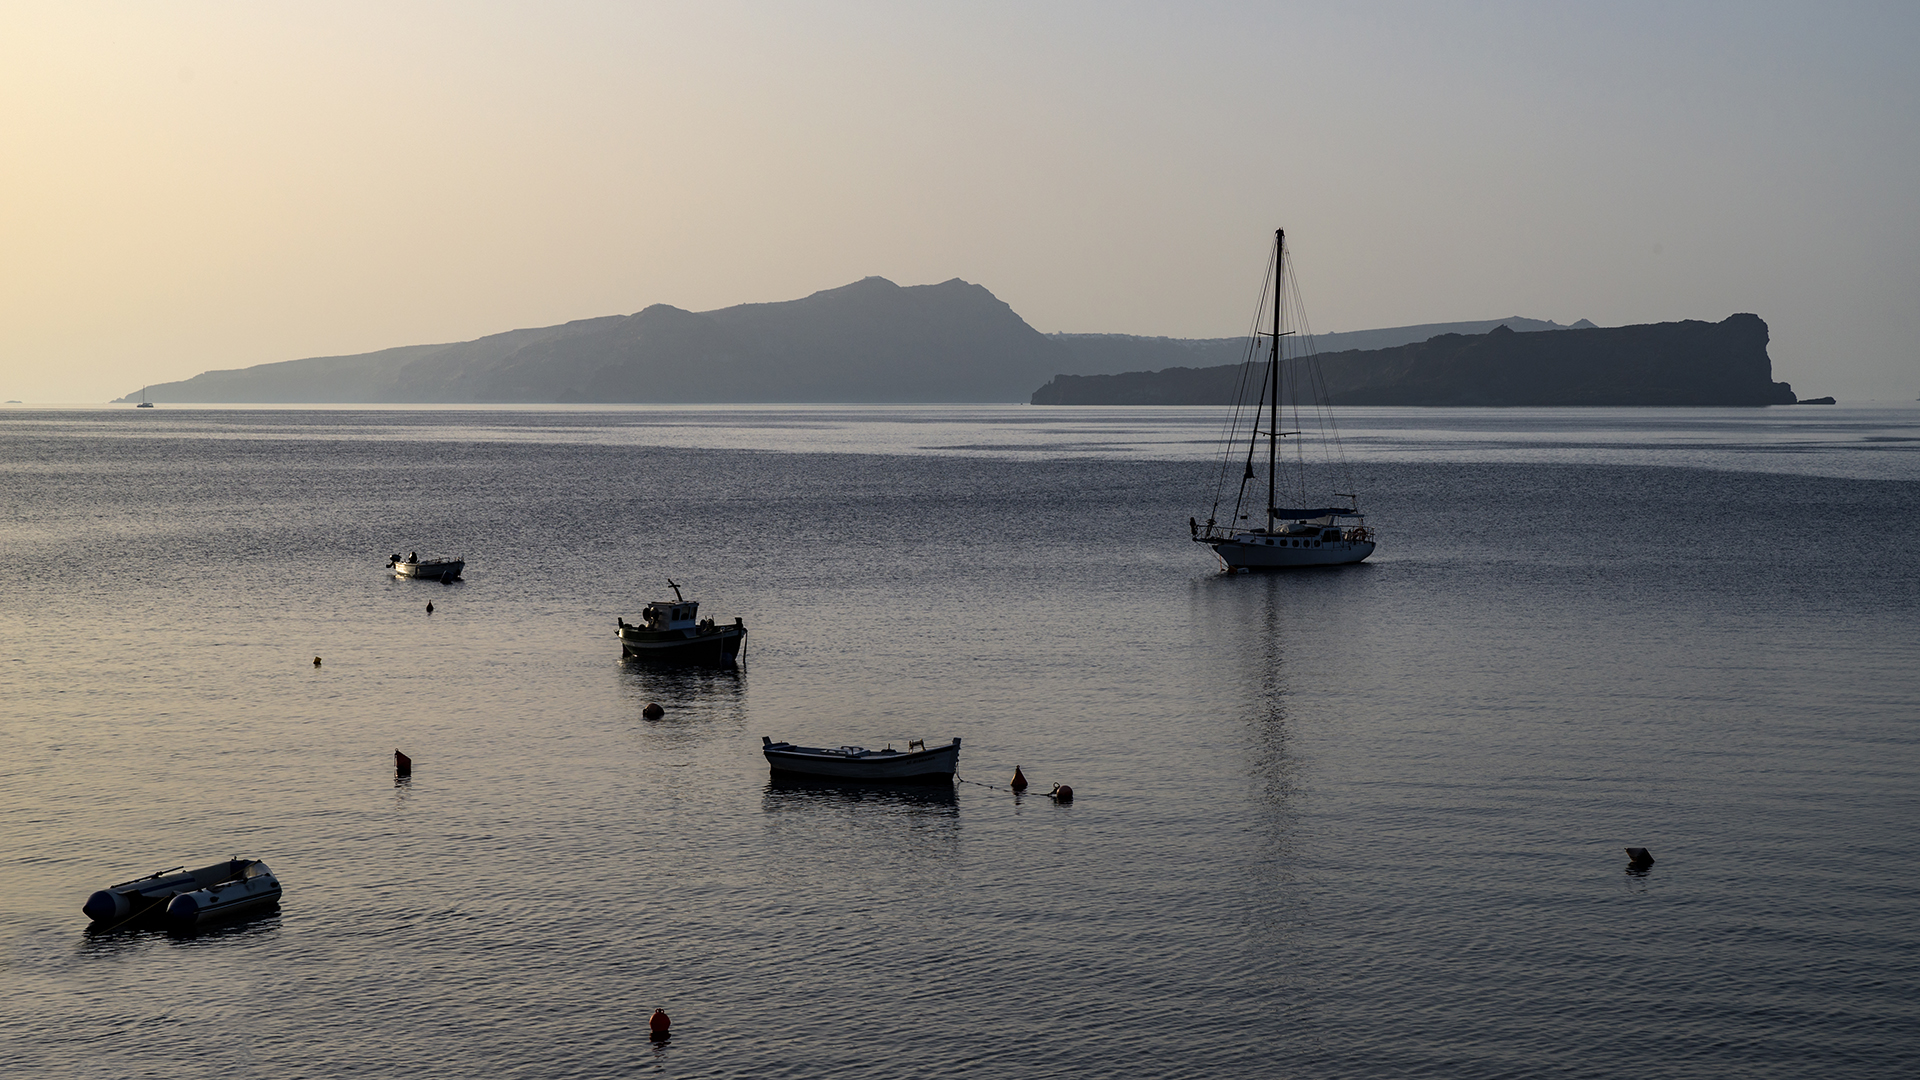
[915,765]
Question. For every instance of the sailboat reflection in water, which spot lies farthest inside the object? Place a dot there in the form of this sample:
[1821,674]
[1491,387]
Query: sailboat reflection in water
[1306,532]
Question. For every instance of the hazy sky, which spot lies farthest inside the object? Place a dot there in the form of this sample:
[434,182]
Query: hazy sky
[192,185]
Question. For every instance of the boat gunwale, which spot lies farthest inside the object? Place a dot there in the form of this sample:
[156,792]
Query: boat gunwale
[840,756]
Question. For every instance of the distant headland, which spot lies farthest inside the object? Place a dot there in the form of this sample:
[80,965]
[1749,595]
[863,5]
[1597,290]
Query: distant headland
[1677,363]
[877,342]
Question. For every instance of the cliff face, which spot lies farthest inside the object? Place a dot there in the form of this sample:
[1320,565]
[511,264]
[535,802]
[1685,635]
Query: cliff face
[1680,363]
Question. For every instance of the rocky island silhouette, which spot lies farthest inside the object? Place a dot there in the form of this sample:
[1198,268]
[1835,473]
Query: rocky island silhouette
[873,341]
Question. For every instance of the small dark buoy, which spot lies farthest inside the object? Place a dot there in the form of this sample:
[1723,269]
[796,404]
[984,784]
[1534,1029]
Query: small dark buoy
[1019,782]
[1639,858]
[1061,793]
[659,1022]
[429,607]
[653,711]
[402,764]
[316,661]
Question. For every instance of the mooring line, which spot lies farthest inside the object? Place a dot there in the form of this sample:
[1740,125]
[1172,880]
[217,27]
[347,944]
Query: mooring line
[989,787]
[1055,794]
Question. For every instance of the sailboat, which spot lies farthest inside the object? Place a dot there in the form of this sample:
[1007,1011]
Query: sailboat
[1303,530]
[144,403]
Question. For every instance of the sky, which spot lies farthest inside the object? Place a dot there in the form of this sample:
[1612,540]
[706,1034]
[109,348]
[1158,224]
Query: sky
[194,185]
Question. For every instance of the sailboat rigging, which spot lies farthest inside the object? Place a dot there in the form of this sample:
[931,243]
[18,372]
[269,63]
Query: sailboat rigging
[1302,534]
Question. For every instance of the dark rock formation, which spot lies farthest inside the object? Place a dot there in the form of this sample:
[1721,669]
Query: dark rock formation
[1681,363]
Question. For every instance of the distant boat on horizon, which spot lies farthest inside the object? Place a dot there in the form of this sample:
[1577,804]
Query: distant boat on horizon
[144,403]
[413,566]
[1303,534]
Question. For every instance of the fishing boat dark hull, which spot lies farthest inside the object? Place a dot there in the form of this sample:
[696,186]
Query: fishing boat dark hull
[854,764]
[705,644]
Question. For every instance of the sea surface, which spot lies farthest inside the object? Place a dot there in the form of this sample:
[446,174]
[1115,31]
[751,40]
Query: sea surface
[1358,822]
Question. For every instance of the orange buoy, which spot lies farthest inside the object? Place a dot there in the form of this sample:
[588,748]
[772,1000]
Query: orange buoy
[653,711]
[1019,782]
[659,1022]
[402,764]
[1061,793]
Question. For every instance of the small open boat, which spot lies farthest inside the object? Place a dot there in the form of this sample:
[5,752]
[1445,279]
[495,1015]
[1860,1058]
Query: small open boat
[914,765]
[673,630]
[183,897]
[430,569]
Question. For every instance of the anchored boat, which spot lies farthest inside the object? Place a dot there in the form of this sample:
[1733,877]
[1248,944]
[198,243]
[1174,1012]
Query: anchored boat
[183,897]
[915,765]
[1302,530]
[673,630]
[431,569]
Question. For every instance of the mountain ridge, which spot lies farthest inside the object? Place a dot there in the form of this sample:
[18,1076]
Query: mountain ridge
[869,341]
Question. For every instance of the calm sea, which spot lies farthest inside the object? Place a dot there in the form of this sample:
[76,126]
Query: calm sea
[1364,822]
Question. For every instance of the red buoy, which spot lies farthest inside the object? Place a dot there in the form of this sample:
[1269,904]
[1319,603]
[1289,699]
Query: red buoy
[653,711]
[402,764]
[659,1023]
[1019,782]
[1061,793]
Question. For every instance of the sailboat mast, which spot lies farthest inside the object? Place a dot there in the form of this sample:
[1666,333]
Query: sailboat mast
[1273,371]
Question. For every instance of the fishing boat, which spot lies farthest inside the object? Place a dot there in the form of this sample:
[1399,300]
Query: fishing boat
[673,630]
[430,569]
[915,765]
[183,898]
[1303,530]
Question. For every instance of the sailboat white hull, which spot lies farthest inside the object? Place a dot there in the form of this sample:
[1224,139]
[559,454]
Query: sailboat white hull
[1247,552]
